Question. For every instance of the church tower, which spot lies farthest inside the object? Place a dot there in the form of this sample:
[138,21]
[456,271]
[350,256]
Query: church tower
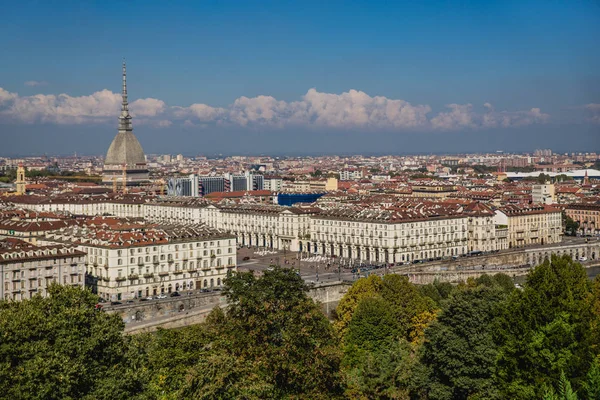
[125,156]
[21,184]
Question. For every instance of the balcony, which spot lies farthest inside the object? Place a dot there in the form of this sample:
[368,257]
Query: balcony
[120,279]
[133,276]
[191,270]
[231,266]
[148,275]
[155,262]
[106,279]
[177,272]
[163,273]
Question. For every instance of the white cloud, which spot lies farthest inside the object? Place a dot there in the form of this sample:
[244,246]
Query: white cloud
[349,110]
[463,116]
[459,116]
[592,110]
[64,109]
[35,83]
[201,112]
[357,109]
[6,96]
[259,110]
[146,107]
[164,123]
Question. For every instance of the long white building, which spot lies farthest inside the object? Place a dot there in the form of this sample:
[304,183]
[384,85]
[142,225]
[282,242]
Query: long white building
[388,235]
[127,259]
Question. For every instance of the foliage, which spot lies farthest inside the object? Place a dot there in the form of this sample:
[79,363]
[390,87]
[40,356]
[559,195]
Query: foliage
[273,342]
[545,329]
[386,373]
[361,289]
[571,226]
[565,391]
[60,347]
[437,291]
[481,339]
[459,351]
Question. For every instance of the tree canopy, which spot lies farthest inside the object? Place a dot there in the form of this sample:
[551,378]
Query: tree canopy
[479,339]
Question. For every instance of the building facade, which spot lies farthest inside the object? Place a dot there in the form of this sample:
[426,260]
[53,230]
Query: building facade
[543,194]
[136,262]
[384,236]
[588,217]
[29,269]
[530,225]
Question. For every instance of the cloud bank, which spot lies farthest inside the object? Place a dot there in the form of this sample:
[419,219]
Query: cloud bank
[349,110]
[35,83]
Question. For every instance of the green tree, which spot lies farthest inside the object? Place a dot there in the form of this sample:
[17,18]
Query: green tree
[169,354]
[272,342]
[545,329]
[571,226]
[592,383]
[386,373]
[372,328]
[459,351]
[361,289]
[437,291]
[61,347]
[405,301]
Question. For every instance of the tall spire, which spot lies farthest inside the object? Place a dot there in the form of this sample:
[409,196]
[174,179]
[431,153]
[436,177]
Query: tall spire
[125,118]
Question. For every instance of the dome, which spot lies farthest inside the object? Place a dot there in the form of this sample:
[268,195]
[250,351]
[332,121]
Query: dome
[125,149]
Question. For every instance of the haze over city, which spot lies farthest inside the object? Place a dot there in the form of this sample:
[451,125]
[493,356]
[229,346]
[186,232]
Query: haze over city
[302,78]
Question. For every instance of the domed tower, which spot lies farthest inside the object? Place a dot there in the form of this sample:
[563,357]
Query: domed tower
[125,161]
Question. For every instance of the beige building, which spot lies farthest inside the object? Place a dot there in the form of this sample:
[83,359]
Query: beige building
[482,229]
[262,225]
[27,269]
[530,225]
[588,216]
[125,260]
[387,235]
[543,194]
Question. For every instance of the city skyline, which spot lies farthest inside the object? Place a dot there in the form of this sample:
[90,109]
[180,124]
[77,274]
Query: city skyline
[398,79]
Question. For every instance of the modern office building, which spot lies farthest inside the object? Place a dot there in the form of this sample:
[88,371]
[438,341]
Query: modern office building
[194,185]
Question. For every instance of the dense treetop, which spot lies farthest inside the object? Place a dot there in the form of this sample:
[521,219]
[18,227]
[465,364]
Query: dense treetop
[390,339]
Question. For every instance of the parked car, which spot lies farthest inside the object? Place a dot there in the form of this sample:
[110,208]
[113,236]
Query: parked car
[115,303]
[245,258]
[161,296]
[149,298]
[175,294]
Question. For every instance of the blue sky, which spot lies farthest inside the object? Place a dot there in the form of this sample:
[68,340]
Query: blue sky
[520,74]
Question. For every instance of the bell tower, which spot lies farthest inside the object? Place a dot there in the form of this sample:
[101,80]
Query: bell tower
[21,179]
